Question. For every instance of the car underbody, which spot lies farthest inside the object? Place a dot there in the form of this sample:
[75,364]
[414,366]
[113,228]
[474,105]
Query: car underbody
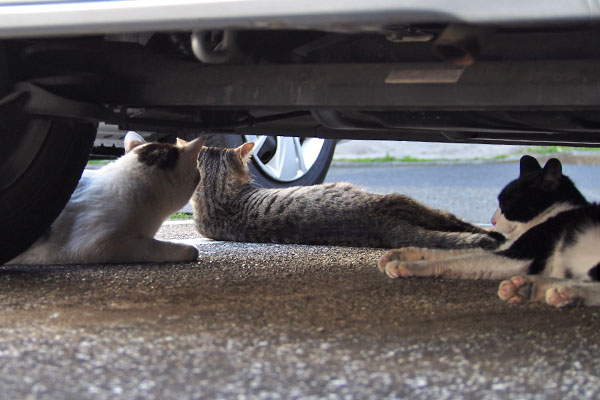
[493,83]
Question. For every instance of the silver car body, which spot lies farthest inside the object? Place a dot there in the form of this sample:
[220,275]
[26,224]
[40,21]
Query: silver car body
[54,17]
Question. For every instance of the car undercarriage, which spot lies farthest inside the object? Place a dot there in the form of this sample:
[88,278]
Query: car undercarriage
[451,83]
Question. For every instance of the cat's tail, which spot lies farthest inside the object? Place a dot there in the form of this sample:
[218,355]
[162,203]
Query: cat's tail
[449,240]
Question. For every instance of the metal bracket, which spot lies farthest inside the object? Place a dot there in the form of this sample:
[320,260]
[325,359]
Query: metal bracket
[41,102]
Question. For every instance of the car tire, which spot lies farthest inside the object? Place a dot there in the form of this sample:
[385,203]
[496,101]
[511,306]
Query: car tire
[41,164]
[317,153]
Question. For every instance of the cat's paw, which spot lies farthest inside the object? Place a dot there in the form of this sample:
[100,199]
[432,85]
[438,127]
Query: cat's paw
[403,254]
[394,262]
[561,296]
[516,289]
[397,269]
[190,253]
[181,253]
[535,288]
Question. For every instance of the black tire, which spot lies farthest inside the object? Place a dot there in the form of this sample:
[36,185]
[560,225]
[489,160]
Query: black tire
[54,154]
[314,175]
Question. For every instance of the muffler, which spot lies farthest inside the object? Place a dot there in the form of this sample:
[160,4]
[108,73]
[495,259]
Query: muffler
[460,44]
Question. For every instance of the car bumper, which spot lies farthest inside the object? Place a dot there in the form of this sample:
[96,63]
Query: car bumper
[44,18]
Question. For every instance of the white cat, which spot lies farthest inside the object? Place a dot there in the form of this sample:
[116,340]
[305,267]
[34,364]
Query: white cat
[114,213]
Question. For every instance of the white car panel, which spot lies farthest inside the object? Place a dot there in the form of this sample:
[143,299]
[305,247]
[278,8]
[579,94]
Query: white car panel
[43,18]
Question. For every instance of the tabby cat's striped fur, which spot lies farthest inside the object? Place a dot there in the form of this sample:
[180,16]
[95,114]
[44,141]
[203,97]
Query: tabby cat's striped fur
[228,207]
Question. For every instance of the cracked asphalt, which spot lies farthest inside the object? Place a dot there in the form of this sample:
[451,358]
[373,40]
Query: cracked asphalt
[259,321]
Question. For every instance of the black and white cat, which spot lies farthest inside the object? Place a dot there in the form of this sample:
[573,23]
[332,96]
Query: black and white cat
[114,213]
[552,251]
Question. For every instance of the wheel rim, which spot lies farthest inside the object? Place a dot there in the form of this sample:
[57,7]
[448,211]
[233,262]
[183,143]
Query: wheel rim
[284,158]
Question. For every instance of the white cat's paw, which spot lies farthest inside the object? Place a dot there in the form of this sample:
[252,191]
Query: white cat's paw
[536,288]
[403,254]
[516,289]
[181,253]
[561,296]
[190,253]
[394,264]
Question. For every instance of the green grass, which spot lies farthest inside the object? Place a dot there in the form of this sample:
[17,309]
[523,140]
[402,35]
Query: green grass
[389,158]
[558,149]
[495,158]
[386,158]
[98,162]
[181,215]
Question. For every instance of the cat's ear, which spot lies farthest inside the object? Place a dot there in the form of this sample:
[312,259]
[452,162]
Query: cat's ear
[132,140]
[552,173]
[244,152]
[529,165]
[193,148]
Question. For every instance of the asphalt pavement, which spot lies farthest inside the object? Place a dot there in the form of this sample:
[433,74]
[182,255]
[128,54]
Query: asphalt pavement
[466,189]
[260,321]
[282,322]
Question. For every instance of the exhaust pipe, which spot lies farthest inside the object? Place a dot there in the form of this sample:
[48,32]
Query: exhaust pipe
[214,47]
[460,44]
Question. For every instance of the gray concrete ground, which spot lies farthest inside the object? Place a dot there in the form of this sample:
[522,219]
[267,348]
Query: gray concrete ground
[466,189]
[273,322]
[252,321]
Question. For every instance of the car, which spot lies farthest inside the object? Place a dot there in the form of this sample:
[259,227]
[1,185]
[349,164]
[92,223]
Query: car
[262,70]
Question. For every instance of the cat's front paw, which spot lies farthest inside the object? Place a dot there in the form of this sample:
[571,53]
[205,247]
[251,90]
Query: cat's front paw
[516,289]
[561,296]
[181,253]
[536,288]
[394,262]
[403,254]
[190,253]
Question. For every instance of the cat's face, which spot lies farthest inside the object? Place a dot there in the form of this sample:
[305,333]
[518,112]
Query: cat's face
[538,194]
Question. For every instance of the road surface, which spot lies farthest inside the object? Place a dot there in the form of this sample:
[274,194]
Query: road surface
[468,189]
[283,322]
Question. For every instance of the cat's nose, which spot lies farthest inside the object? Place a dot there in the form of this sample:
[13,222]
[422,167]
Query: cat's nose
[495,215]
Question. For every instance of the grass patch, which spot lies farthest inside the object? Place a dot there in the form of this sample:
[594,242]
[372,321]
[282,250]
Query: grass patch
[98,162]
[389,158]
[494,158]
[181,215]
[386,158]
[558,149]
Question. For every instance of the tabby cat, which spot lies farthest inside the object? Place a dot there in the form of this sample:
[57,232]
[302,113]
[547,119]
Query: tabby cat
[552,252]
[114,212]
[228,207]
